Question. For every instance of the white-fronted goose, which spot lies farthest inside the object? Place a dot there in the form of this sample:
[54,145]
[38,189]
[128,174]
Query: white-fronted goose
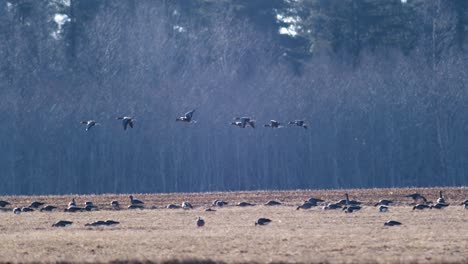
[187,117]
[89,124]
[127,121]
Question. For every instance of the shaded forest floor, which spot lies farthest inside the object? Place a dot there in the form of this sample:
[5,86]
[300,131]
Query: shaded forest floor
[315,235]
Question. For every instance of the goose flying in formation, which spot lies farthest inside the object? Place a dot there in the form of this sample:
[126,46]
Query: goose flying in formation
[187,117]
[243,122]
[127,121]
[300,123]
[89,124]
[273,124]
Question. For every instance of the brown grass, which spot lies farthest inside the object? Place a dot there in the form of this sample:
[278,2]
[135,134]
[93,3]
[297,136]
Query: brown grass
[163,235]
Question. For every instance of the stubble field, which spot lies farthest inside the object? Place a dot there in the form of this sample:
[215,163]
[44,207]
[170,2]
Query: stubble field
[157,234]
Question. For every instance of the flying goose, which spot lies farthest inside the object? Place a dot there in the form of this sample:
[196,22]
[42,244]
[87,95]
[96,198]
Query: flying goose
[272,203]
[48,208]
[300,123]
[90,123]
[243,204]
[127,121]
[392,223]
[134,201]
[262,221]
[441,199]
[200,222]
[384,202]
[187,205]
[187,117]
[36,204]
[4,203]
[62,223]
[273,124]
[243,122]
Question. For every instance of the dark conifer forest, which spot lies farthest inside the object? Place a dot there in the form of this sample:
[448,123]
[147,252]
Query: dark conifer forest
[382,86]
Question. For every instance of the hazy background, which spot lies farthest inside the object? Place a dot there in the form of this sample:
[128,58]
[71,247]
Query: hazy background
[381,83]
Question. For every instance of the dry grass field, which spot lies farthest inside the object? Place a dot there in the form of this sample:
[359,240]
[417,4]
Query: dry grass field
[309,236]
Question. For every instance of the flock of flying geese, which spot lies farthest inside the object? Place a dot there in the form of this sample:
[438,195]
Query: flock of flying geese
[241,122]
[346,205]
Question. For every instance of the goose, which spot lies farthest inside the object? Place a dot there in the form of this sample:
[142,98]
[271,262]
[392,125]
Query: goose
[88,203]
[112,222]
[134,201]
[244,204]
[243,122]
[439,205]
[172,206]
[210,210]
[315,200]
[306,205]
[187,117]
[115,204]
[26,209]
[416,196]
[62,223]
[72,203]
[103,223]
[187,205]
[127,121]
[135,206]
[383,208]
[90,207]
[466,206]
[4,203]
[16,210]
[272,203]
[273,124]
[420,206]
[300,123]
[464,202]
[90,123]
[262,221]
[36,204]
[332,206]
[392,223]
[48,208]
[384,202]
[73,209]
[349,208]
[441,199]
[219,203]
[200,222]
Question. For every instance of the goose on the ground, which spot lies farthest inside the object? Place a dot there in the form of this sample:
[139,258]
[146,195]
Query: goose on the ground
[62,223]
[244,121]
[464,202]
[392,223]
[262,221]
[90,207]
[172,206]
[315,200]
[383,208]
[115,204]
[219,203]
[48,208]
[421,206]
[187,205]
[441,199]
[187,117]
[274,124]
[439,205]
[36,204]
[127,121]
[306,205]
[73,209]
[16,210]
[466,206]
[89,124]
[103,223]
[135,201]
[72,203]
[88,203]
[4,203]
[135,206]
[200,222]
[384,202]
[272,203]
[416,196]
[243,204]
[350,207]
[332,206]
[299,123]
[210,210]
[26,209]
